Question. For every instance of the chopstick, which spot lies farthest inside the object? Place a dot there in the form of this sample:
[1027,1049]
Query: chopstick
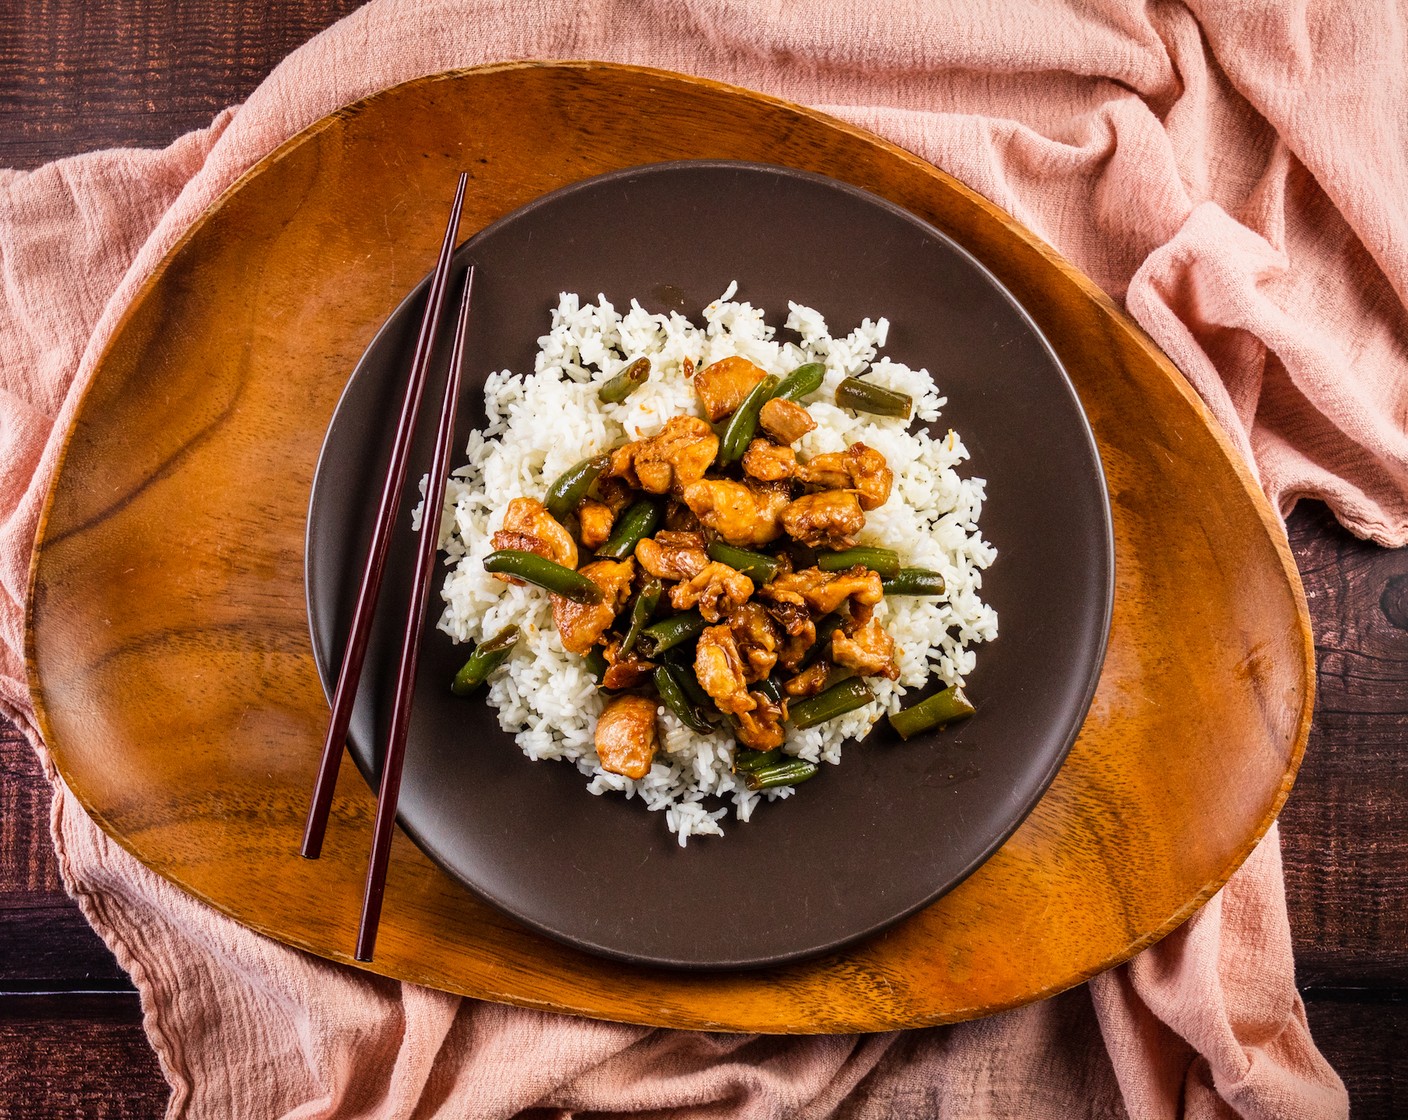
[355,651]
[390,790]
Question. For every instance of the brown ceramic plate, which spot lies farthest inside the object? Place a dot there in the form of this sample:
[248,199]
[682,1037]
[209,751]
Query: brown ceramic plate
[896,824]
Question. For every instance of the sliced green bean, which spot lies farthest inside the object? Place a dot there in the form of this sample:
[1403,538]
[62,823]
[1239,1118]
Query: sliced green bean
[572,485]
[746,761]
[639,521]
[744,422]
[939,709]
[866,396]
[756,566]
[914,581]
[669,632]
[641,612]
[790,773]
[671,691]
[885,561]
[544,573]
[625,383]
[769,688]
[596,663]
[835,701]
[803,380]
[487,657]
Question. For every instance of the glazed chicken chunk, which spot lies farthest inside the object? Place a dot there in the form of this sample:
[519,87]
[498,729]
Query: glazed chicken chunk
[718,666]
[761,728]
[767,462]
[594,520]
[858,468]
[723,385]
[529,527]
[870,651]
[830,519]
[581,625]
[670,460]
[743,515]
[672,555]
[717,590]
[785,421]
[824,592]
[756,639]
[626,736]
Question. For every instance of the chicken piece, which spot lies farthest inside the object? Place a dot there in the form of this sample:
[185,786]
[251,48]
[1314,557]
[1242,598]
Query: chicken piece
[672,555]
[761,728]
[744,515]
[528,517]
[594,521]
[756,638]
[829,519]
[870,651]
[767,462]
[786,421]
[799,631]
[718,666]
[824,592]
[723,385]
[859,468]
[677,455]
[624,672]
[626,736]
[581,625]
[717,590]
[810,681]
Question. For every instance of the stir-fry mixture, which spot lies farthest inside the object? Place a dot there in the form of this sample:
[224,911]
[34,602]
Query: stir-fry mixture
[711,569]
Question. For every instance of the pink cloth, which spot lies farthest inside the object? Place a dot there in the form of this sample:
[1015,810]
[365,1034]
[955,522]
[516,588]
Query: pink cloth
[1235,173]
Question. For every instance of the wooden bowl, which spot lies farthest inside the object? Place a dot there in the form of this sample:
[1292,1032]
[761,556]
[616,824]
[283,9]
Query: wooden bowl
[169,652]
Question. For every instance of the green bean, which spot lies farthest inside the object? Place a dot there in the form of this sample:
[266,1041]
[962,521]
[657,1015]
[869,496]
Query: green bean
[668,685]
[866,396]
[572,485]
[757,566]
[769,688]
[544,573]
[914,581]
[668,632]
[639,521]
[801,381]
[681,658]
[596,663]
[836,701]
[744,422]
[746,761]
[625,383]
[937,710]
[885,561]
[790,773]
[643,608]
[487,657]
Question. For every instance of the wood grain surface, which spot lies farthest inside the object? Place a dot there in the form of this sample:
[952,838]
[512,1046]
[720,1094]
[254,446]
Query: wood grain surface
[142,73]
[199,674]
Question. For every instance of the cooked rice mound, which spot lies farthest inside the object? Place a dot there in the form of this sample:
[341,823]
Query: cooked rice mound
[541,424]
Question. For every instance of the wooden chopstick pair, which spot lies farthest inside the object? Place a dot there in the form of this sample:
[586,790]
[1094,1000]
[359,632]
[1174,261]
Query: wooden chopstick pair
[370,587]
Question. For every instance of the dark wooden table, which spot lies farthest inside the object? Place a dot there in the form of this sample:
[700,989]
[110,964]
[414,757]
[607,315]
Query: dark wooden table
[75,77]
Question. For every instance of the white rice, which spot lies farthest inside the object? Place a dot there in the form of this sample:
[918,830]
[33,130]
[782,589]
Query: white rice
[543,423]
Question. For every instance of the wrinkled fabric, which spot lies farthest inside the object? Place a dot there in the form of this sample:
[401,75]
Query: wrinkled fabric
[1235,174]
